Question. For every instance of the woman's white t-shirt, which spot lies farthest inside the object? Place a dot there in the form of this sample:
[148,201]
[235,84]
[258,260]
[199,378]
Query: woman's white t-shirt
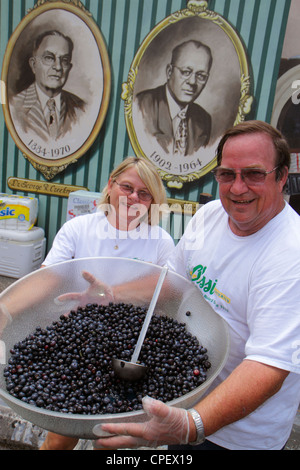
[92,235]
[253,282]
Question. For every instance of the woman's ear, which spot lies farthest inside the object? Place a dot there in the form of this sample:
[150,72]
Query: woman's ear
[109,185]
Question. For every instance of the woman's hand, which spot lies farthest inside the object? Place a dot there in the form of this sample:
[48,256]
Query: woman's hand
[98,292]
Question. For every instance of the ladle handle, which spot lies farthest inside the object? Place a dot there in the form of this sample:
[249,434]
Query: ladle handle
[148,317]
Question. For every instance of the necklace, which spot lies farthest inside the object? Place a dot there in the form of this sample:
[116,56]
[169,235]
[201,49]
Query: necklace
[113,235]
[116,241]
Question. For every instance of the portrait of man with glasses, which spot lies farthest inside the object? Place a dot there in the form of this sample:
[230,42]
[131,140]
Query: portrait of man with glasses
[169,112]
[45,107]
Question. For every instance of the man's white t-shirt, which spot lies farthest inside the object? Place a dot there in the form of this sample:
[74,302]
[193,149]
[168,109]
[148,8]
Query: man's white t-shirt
[91,235]
[253,282]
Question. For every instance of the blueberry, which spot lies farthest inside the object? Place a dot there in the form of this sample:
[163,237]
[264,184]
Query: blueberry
[74,365]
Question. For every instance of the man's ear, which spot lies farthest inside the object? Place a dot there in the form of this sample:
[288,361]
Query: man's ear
[169,70]
[283,176]
[32,62]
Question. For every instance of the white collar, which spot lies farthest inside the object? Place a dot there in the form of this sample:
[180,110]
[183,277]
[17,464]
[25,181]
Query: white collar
[174,107]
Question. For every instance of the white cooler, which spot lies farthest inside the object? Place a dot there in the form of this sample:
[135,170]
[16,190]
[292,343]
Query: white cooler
[21,252]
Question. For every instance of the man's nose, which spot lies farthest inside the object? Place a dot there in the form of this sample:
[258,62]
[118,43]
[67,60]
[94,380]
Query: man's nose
[57,64]
[238,186]
[192,79]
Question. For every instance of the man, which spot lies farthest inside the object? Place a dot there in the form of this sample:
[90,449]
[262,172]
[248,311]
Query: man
[45,108]
[251,250]
[179,125]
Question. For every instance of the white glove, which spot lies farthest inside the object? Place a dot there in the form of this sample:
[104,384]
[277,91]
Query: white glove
[5,319]
[166,425]
[97,292]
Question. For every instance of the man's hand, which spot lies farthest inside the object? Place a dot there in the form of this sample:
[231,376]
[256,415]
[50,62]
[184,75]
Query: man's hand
[166,425]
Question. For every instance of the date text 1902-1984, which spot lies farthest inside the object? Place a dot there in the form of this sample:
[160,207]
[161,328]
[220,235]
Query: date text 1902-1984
[56,153]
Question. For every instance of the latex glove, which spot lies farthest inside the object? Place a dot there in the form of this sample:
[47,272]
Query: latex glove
[5,319]
[97,292]
[166,425]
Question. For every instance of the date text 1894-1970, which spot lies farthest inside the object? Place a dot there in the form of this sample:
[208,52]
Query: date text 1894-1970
[39,150]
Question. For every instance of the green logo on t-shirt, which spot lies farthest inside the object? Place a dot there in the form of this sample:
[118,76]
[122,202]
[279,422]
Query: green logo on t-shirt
[197,276]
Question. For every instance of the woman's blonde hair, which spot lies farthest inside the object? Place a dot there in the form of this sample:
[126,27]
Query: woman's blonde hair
[150,177]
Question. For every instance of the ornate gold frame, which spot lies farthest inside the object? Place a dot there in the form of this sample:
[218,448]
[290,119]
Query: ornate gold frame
[195,8]
[49,168]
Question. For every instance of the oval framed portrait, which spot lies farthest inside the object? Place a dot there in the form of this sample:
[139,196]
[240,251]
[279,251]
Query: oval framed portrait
[285,114]
[187,84]
[57,79]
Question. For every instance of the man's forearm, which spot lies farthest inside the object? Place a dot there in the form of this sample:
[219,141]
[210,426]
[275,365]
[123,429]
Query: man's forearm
[247,387]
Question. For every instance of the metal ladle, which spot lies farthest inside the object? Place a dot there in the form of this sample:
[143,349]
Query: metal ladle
[132,371]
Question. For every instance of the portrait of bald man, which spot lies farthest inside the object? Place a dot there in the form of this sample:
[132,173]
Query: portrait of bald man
[169,112]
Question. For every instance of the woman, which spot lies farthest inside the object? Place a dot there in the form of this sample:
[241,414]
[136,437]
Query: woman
[125,225]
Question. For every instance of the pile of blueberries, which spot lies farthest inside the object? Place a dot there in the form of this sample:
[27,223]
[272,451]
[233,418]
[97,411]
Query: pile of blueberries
[67,367]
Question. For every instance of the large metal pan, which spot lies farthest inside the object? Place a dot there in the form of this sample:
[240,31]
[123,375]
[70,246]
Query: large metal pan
[32,303]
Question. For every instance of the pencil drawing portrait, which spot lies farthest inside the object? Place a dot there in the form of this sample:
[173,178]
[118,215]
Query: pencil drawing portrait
[45,107]
[169,112]
[58,84]
[187,84]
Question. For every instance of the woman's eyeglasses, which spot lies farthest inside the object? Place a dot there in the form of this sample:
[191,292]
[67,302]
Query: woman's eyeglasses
[250,176]
[128,190]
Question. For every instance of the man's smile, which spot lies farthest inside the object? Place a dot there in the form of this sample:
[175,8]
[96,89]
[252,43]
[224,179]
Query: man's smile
[242,201]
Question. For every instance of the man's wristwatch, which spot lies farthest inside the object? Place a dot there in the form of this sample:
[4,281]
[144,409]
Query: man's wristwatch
[199,427]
